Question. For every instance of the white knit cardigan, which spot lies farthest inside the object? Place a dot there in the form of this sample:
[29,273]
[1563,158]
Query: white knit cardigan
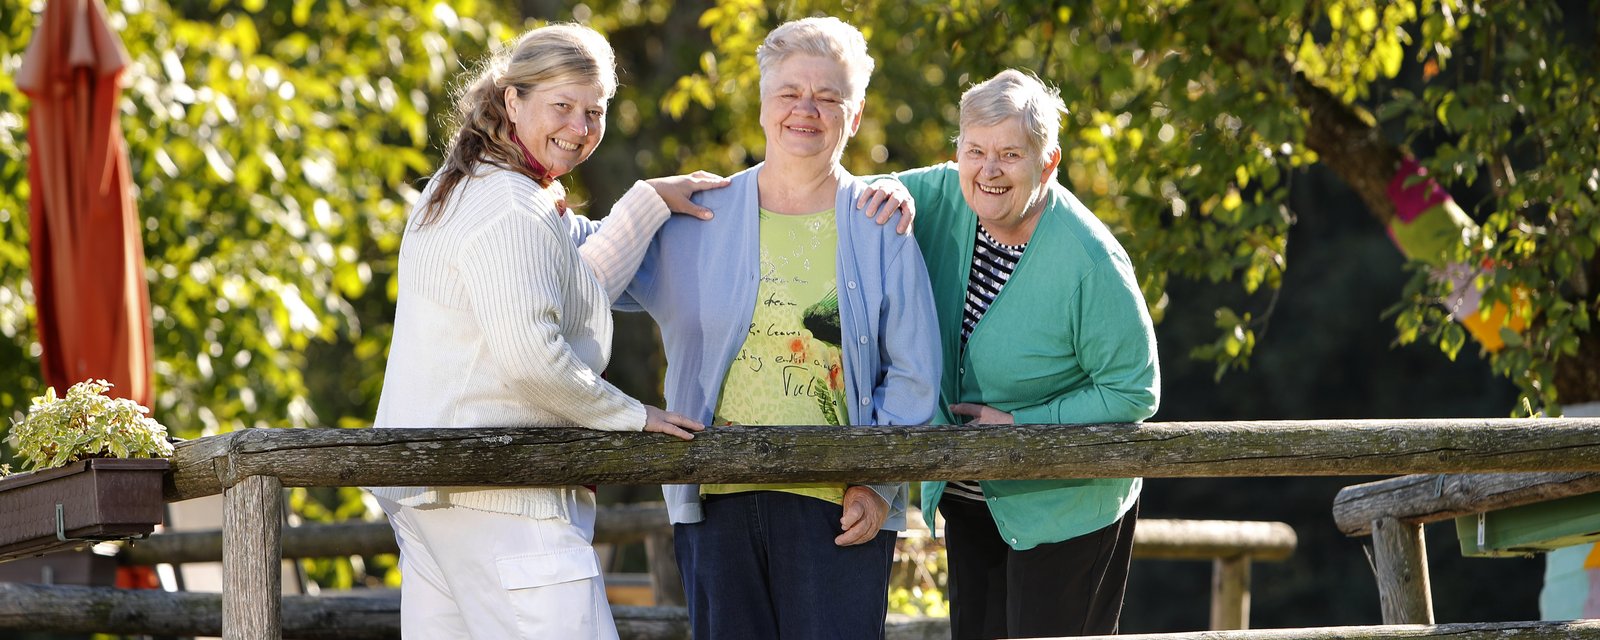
[503,319]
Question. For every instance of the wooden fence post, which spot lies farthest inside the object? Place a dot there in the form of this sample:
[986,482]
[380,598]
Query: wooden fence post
[252,527]
[1401,561]
[1230,593]
[665,578]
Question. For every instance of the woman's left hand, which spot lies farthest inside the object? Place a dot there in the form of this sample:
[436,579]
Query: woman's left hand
[864,513]
[981,413]
[882,198]
[671,423]
[675,190]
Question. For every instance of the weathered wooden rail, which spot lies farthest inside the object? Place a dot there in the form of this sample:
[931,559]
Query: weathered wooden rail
[614,524]
[119,611]
[1394,512]
[94,609]
[1231,546]
[250,467]
[542,456]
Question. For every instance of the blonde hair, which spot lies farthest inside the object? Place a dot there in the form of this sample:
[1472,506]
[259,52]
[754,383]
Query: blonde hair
[1014,94]
[552,55]
[830,38]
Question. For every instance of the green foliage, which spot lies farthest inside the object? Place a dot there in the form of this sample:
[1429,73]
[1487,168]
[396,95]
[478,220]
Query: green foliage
[1185,126]
[86,423]
[1516,99]
[919,578]
[274,155]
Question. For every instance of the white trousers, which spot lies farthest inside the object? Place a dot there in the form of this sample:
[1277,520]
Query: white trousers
[477,575]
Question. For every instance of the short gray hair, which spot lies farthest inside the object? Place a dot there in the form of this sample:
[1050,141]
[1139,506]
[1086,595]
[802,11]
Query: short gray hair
[1014,94]
[830,38]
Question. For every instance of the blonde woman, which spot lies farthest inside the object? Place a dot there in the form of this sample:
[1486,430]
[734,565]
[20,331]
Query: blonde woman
[503,320]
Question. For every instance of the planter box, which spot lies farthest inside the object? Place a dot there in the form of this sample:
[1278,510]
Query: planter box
[99,498]
[1531,529]
[82,567]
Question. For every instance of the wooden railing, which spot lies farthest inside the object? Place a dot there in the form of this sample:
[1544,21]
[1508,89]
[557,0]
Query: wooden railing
[1230,545]
[250,467]
[1394,511]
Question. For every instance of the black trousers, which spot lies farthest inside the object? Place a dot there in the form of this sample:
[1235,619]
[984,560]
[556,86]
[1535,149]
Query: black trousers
[1068,588]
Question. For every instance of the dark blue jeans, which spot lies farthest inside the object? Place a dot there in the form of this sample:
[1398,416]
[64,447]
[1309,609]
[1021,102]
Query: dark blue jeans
[763,565]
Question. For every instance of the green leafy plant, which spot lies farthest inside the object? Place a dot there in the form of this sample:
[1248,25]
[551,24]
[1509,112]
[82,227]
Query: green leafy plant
[84,424]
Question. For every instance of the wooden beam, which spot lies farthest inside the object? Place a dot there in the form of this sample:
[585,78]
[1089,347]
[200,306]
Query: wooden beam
[1230,593]
[1400,560]
[1159,539]
[84,610]
[666,579]
[252,524]
[355,615]
[1154,539]
[614,524]
[60,609]
[1422,499]
[531,456]
[194,471]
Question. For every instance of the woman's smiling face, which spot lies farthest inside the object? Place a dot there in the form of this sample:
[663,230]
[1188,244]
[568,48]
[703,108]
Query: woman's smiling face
[806,111]
[1000,175]
[560,125]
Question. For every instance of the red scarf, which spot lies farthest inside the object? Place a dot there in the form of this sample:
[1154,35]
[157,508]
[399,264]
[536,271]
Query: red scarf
[544,179]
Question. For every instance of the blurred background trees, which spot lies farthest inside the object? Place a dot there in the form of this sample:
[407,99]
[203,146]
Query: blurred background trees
[1239,150]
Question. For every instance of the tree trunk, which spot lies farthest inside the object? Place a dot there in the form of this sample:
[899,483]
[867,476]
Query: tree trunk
[1577,376]
[1353,147]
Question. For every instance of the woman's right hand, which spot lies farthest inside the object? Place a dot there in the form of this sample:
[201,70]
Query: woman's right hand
[881,199]
[675,190]
[671,423]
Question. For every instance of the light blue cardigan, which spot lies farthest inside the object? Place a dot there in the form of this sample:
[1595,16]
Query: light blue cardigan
[699,281]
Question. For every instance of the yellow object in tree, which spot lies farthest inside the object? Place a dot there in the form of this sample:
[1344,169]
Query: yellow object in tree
[1485,324]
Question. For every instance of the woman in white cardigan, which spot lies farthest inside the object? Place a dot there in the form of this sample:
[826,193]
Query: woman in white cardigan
[503,319]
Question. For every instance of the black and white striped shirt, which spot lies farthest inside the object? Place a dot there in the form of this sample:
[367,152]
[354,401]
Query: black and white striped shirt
[992,265]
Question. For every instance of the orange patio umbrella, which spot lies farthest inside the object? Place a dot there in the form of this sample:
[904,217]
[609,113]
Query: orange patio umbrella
[88,260]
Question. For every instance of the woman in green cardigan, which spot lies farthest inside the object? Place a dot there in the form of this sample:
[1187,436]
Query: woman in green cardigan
[1041,322]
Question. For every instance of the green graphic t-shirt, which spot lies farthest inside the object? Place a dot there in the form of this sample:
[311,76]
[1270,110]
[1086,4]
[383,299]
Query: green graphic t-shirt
[790,369]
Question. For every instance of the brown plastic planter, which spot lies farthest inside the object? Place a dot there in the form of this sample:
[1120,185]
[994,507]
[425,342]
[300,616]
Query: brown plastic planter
[99,498]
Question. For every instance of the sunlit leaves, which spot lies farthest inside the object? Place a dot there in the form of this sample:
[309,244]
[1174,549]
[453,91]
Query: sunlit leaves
[272,164]
[1237,342]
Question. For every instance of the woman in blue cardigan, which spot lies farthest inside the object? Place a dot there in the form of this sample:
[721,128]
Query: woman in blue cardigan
[789,306]
[1041,322]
